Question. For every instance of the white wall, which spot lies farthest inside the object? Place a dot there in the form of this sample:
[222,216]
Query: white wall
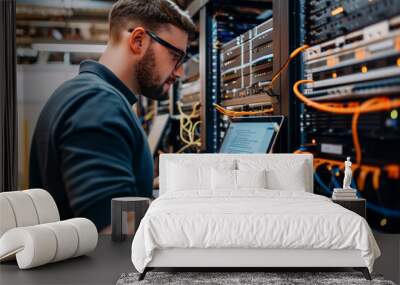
[35,84]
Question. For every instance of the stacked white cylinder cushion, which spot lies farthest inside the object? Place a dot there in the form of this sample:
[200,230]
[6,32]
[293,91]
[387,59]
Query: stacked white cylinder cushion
[41,244]
[26,208]
[31,232]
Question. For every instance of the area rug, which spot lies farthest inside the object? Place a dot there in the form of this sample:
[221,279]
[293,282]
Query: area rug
[242,278]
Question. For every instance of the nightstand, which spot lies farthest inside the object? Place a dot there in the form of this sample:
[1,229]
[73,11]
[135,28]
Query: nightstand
[123,209]
[356,205]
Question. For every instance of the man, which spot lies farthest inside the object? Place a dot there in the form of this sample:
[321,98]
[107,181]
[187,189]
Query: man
[88,145]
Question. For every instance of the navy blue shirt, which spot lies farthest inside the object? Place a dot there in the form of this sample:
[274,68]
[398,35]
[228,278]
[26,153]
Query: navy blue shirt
[89,146]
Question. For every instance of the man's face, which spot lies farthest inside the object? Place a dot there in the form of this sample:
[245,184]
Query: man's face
[156,72]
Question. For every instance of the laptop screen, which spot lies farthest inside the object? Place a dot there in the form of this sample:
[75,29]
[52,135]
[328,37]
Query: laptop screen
[250,137]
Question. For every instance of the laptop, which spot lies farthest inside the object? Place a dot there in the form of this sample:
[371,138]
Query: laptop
[252,134]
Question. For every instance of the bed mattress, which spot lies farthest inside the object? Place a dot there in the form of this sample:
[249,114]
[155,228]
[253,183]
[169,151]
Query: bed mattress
[252,219]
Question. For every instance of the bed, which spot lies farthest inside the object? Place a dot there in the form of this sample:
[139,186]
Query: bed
[229,210]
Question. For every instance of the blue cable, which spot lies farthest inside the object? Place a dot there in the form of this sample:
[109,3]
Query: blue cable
[384,211]
[322,184]
[379,209]
[333,178]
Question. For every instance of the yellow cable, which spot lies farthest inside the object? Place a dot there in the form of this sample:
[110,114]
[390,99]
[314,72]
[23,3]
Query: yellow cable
[183,148]
[181,136]
[194,128]
[182,124]
[184,117]
[149,115]
[196,143]
[187,126]
[231,113]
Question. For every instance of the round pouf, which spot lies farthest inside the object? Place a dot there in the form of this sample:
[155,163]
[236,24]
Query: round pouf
[120,208]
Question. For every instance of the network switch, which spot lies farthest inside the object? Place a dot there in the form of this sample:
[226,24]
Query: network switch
[246,66]
[246,52]
[329,19]
[357,65]
[238,81]
[263,27]
[379,35]
[357,90]
[378,132]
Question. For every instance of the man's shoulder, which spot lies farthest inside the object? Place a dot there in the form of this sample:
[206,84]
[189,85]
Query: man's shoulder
[85,100]
[88,103]
[86,90]
[86,83]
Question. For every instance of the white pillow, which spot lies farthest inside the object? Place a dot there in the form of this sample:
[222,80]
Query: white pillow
[282,180]
[223,179]
[183,177]
[288,174]
[189,176]
[251,178]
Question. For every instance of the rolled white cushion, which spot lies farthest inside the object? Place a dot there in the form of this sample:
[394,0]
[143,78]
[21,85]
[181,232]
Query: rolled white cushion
[41,244]
[7,218]
[26,208]
[33,246]
[45,205]
[87,235]
[23,208]
[66,238]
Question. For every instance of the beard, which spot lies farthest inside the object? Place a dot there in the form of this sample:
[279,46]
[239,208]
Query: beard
[147,78]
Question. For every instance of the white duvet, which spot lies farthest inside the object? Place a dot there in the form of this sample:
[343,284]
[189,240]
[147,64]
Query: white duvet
[250,219]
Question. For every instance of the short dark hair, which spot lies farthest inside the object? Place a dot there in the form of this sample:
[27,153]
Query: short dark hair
[152,14]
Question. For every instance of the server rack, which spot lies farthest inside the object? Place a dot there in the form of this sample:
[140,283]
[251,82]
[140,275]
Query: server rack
[353,57]
[212,125]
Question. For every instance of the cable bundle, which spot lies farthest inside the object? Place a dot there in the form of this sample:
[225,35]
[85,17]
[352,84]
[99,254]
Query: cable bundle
[187,129]
[369,106]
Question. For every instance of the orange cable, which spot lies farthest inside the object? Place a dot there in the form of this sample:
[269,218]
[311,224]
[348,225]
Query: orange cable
[291,56]
[386,105]
[231,113]
[393,171]
[369,106]
[372,105]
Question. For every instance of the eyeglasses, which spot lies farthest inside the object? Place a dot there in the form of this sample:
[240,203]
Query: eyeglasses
[181,55]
